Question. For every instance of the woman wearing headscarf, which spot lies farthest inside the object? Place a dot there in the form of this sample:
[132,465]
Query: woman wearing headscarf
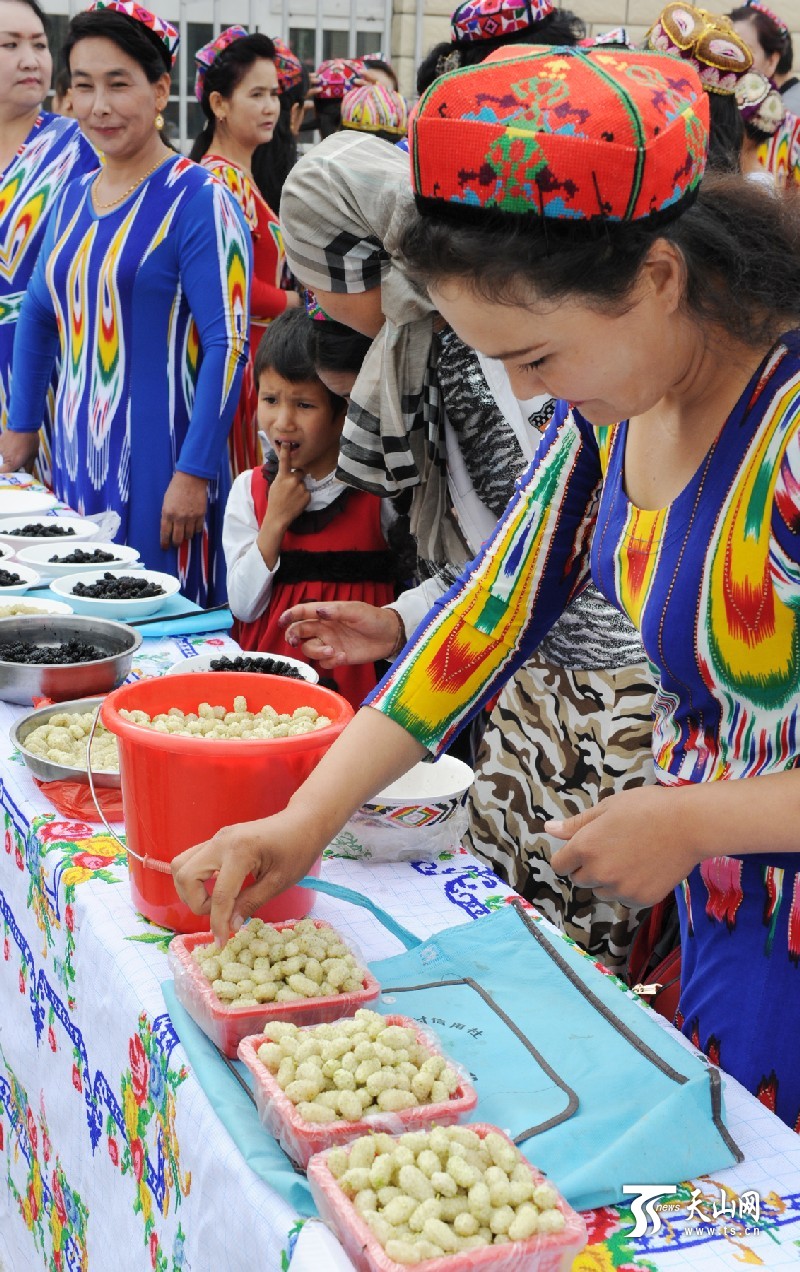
[142,287]
[428,414]
[39,153]
[664,316]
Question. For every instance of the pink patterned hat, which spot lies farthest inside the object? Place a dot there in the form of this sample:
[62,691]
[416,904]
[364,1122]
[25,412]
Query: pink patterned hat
[209,53]
[162,29]
[337,76]
[476,20]
[290,72]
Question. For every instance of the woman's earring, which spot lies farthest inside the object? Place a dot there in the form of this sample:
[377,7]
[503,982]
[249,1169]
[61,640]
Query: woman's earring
[159,121]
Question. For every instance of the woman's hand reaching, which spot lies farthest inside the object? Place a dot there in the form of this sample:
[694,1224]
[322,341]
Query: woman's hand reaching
[343,633]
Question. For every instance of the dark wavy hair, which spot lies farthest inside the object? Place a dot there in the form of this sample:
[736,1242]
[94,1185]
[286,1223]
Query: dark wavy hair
[274,160]
[740,246]
[223,75]
[725,134]
[770,36]
[559,27]
[132,37]
[338,348]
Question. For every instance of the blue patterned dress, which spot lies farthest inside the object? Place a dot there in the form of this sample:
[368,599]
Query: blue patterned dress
[147,305]
[54,152]
[712,582]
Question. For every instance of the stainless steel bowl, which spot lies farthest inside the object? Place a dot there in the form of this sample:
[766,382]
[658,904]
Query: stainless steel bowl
[21,682]
[48,770]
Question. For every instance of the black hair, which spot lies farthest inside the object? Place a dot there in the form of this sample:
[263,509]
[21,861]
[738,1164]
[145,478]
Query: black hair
[335,347]
[559,27]
[770,36]
[328,111]
[740,246]
[136,40]
[286,348]
[377,64]
[273,161]
[61,83]
[226,71]
[725,134]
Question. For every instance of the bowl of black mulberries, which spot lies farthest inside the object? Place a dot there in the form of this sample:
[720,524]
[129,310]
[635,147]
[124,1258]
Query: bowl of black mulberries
[63,656]
[58,560]
[16,579]
[264,664]
[121,593]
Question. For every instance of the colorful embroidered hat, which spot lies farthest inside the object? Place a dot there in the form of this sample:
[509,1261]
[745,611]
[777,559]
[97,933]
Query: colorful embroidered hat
[290,71]
[209,53]
[760,103]
[374,108]
[313,307]
[773,17]
[336,77]
[709,42]
[163,30]
[595,134]
[490,19]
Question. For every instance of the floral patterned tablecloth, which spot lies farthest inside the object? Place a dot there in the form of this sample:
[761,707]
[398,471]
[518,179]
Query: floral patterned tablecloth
[111,1158]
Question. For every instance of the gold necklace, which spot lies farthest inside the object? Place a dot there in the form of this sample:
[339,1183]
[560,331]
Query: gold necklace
[101,207]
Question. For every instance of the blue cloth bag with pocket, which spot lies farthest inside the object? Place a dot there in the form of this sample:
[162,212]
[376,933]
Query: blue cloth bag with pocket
[587,1082]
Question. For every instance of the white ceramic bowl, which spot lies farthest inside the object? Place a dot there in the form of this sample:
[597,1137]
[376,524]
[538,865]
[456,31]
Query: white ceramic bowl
[28,576]
[29,606]
[418,817]
[39,554]
[83,530]
[202,662]
[96,607]
[21,501]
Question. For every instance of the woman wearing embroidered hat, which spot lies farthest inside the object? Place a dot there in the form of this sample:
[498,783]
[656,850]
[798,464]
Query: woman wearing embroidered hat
[478,27]
[763,112]
[576,245]
[142,285]
[335,77]
[770,42]
[237,86]
[273,161]
[377,110]
[38,153]
[721,58]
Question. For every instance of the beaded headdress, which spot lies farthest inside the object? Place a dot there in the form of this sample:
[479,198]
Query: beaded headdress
[336,77]
[708,42]
[163,30]
[564,133]
[760,103]
[773,17]
[290,71]
[493,19]
[375,108]
[209,53]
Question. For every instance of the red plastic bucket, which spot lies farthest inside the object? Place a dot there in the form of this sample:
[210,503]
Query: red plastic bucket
[178,791]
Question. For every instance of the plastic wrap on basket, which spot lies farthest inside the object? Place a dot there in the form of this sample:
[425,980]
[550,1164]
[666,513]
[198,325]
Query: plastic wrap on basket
[301,1139]
[542,1252]
[226,1025]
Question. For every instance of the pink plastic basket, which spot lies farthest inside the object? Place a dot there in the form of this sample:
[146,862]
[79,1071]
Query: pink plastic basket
[227,1026]
[301,1139]
[553,1253]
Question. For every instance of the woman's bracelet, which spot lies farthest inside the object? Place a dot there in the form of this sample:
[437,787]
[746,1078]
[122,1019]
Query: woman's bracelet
[401,636]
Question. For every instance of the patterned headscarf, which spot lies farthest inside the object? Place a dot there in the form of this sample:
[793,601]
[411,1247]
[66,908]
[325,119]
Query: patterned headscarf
[336,77]
[162,29]
[760,103]
[477,20]
[708,42]
[374,108]
[343,208]
[290,71]
[209,53]
[563,133]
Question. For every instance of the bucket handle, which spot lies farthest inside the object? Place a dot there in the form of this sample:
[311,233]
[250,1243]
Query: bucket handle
[151,863]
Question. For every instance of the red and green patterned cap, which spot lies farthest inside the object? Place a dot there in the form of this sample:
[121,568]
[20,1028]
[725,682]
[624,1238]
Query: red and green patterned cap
[563,133]
[290,72]
[480,20]
[163,30]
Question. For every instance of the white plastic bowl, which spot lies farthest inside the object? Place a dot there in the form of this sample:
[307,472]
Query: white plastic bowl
[202,662]
[39,554]
[115,609]
[32,605]
[29,578]
[21,501]
[83,530]
[417,818]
